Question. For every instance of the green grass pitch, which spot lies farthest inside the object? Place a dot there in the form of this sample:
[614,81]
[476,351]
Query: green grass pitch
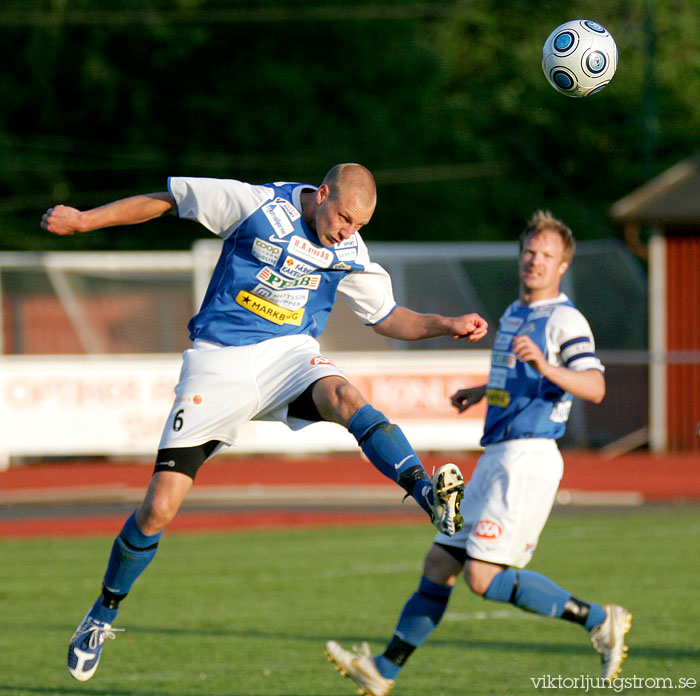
[247,614]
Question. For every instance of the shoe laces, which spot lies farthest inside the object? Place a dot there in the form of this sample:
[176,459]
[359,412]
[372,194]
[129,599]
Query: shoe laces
[97,634]
[363,650]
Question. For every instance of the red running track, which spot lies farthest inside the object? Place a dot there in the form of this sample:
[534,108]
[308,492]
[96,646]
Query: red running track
[649,478]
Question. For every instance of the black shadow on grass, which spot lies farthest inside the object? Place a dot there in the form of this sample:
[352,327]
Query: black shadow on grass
[16,690]
[581,647]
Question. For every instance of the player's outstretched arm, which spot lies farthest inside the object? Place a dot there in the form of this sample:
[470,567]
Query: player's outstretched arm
[63,219]
[407,325]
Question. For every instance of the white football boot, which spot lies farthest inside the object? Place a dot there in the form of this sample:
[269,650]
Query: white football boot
[609,639]
[85,646]
[359,666]
[448,492]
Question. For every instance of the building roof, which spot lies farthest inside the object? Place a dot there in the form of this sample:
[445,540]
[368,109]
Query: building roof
[672,197]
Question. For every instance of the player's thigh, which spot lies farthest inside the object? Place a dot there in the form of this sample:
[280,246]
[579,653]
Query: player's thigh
[215,396]
[285,369]
[517,493]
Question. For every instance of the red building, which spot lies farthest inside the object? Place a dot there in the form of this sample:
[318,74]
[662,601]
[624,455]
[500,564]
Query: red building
[668,209]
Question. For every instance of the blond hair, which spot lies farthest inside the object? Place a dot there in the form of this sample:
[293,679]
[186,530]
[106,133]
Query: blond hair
[544,220]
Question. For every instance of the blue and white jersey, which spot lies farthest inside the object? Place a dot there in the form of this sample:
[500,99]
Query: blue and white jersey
[521,402]
[273,277]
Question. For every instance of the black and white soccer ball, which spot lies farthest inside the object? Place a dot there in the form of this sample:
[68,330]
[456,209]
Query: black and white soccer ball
[579,58]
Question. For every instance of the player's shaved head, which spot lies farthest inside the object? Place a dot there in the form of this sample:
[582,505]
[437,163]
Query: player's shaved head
[352,179]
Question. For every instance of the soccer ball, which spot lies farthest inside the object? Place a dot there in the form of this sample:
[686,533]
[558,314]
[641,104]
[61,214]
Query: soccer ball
[579,58]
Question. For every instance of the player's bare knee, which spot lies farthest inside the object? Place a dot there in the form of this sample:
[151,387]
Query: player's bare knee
[479,575]
[440,567]
[155,513]
[337,400]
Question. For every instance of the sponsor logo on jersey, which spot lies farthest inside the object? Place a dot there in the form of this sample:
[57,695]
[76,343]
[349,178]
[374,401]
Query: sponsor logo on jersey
[273,279]
[278,219]
[503,359]
[527,329]
[304,249]
[268,310]
[497,378]
[293,268]
[292,213]
[351,241]
[346,254]
[321,360]
[487,529]
[502,341]
[497,397]
[510,324]
[347,249]
[560,412]
[289,299]
[341,266]
[266,252]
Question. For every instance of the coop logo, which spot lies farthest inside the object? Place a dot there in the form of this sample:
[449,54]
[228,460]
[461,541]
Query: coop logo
[266,252]
[487,529]
[304,249]
[320,360]
[271,278]
[278,219]
[293,268]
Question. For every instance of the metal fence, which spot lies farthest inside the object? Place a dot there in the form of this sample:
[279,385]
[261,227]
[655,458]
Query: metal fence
[61,303]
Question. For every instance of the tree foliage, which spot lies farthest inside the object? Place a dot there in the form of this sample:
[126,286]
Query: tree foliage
[444,101]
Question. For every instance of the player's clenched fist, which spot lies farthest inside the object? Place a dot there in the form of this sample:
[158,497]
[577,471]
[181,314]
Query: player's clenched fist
[470,326]
[61,219]
[526,350]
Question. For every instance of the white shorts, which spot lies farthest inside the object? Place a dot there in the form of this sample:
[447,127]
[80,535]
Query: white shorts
[221,388]
[508,500]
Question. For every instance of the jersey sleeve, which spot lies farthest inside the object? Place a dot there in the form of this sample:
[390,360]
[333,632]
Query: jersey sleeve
[571,340]
[221,205]
[368,291]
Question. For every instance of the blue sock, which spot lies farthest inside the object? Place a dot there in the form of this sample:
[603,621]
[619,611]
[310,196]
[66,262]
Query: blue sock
[420,615]
[596,616]
[132,551]
[528,590]
[534,592]
[385,445]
